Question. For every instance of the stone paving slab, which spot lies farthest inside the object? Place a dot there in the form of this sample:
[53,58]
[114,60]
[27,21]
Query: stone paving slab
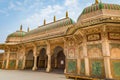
[29,75]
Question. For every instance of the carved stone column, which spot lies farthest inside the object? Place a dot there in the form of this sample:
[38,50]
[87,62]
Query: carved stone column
[8,58]
[49,57]
[49,64]
[78,59]
[65,51]
[35,63]
[86,59]
[24,61]
[16,67]
[35,59]
[3,63]
[106,53]
[17,59]
[107,67]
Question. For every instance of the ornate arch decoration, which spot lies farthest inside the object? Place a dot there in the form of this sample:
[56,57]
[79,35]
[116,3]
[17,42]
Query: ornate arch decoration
[27,51]
[57,49]
[39,49]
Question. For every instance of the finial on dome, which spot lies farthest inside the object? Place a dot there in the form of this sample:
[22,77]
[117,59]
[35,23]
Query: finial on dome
[21,27]
[66,14]
[54,18]
[44,22]
[96,1]
[28,29]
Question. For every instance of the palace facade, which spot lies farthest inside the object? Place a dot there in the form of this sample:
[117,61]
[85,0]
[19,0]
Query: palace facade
[89,47]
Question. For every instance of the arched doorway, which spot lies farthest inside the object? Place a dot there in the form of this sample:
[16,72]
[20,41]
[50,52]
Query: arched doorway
[42,59]
[29,60]
[58,59]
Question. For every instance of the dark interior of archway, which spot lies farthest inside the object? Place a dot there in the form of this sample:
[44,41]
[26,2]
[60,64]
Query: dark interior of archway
[29,60]
[42,60]
[58,62]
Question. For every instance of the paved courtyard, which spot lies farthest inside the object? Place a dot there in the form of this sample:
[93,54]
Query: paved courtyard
[29,75]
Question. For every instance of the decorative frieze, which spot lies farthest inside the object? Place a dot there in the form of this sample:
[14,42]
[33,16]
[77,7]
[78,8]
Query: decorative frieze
[93,30]
[71,53]
[94,37]
[114,35]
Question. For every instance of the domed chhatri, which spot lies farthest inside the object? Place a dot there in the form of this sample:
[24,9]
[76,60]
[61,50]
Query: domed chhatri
[16,36]
[18,33]
[99,8]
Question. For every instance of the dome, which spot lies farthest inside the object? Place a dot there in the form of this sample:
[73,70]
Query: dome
[98,9]
[16,36]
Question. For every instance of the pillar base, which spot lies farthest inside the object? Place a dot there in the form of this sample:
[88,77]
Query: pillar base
[64,71]
[34,68]
[48,69]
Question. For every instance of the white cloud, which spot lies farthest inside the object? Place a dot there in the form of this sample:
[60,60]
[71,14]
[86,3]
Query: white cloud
[11,5]
[49,11]
[45,13]
[70,2]
[18,3]
[4,12]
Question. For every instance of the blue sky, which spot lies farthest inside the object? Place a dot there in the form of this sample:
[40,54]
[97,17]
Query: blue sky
[31,13]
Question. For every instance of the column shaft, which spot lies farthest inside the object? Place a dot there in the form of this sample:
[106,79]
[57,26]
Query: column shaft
[87,68]
[106,54]
[49,64]
[16,67]
[107,67]
[8,56]
[24,61]
[35,63]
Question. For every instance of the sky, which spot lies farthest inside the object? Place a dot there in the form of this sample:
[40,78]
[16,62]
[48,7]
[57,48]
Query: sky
[31,13]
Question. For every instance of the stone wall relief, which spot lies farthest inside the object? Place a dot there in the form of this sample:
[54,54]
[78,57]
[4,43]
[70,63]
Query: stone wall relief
[81,52]
[94,37]
[95,51]
[113,28]
[114,35]
[71,53]
[115,50]
[115,53]
[93,30]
